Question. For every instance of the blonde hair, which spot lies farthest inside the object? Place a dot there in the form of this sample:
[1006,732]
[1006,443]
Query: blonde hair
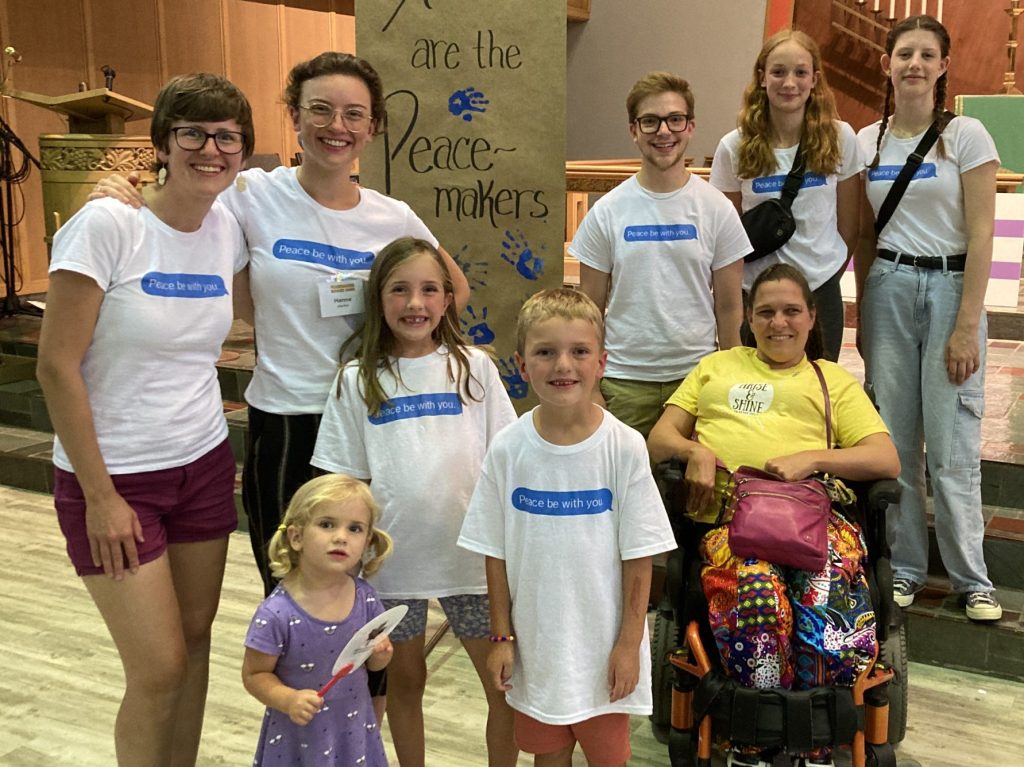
[819,136]
[334,488]
[376,342]
[561,303]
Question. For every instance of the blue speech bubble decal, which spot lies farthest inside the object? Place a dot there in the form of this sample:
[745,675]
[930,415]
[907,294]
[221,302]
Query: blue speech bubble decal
[767,184]
[890,172]
[417,406]
[660,233]
[562,503]
[183,285]
[325,255]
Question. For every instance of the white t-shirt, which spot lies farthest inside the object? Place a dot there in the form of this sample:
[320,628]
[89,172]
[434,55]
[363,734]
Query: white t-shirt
[564,517]
[815,247]
[150,369]
[423,453]
[929,220]
[295,243]
[660,250]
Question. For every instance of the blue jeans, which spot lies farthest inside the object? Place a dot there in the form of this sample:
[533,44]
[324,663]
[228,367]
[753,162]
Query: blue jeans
[907,317]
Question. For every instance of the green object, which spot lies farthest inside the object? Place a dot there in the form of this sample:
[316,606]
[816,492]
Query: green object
[1003,117]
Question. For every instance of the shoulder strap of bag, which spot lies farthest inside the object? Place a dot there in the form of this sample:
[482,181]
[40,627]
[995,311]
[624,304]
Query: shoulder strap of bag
[914,161]
[828,404]
[794,179]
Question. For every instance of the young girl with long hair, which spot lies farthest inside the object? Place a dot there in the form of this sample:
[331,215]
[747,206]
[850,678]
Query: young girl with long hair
[788,104]
[415,414]
[328,536]
[921,291]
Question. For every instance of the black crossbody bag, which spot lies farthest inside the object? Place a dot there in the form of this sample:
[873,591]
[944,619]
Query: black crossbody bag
[899,186]
[770,224]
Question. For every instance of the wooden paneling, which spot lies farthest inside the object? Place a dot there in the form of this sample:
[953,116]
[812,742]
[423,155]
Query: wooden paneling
[65,42]
[978,31]
[191,37]
[254,39]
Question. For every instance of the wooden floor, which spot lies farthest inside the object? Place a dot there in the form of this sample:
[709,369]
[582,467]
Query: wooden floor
[62,680]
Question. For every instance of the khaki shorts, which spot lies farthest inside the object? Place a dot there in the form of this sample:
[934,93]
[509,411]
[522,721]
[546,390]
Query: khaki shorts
[637,403]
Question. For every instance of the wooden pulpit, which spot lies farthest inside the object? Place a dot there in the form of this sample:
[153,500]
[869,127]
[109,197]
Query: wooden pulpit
[94,147]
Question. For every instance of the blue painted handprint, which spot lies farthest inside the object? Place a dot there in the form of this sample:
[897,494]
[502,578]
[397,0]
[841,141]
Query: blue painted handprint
[517,252]
[514,383]
[476,328]
[475,271]
[467,101]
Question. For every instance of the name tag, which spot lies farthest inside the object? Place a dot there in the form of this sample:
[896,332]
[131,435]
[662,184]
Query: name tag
[341,295]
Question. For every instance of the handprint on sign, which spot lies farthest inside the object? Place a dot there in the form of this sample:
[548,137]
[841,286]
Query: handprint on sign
[467,101]
[475,271]
[517,252]
[476,327]
[514,383]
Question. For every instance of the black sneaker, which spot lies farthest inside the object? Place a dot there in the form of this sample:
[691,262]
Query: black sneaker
[982,606]
[903,591]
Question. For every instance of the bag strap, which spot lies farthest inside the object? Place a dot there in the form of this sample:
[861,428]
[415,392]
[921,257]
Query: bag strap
[899,186]
[828,404]
[794,179]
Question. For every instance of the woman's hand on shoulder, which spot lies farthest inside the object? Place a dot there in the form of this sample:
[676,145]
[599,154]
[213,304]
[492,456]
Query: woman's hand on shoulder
[700,478]
[963,357]
[303,705]
[793,467]
[121,188]
[113,528]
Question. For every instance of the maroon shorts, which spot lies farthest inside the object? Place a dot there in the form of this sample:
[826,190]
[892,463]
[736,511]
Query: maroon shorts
[604,739]
[186,504]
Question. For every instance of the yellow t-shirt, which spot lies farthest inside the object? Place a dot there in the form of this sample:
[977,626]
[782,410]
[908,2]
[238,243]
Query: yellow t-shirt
[748,413]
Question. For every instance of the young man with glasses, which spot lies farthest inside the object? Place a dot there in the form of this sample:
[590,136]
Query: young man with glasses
[663,254]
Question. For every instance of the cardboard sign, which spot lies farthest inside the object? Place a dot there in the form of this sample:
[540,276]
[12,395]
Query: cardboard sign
[476,144]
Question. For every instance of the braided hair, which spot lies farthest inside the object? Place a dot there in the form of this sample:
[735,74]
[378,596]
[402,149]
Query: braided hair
[928,24]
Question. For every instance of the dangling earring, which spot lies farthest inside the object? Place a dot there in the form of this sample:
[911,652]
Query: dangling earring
[161,176]
[240,184]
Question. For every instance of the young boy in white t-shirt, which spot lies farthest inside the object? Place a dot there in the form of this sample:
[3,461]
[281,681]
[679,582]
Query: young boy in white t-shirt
[568,515]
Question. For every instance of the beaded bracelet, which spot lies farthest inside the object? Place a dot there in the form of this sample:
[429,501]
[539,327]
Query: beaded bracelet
[502,638]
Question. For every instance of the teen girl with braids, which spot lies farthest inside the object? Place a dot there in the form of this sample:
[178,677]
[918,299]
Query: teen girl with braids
[921,290]
[788,103]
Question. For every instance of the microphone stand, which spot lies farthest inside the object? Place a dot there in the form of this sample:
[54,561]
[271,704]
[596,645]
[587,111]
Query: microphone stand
[11,176]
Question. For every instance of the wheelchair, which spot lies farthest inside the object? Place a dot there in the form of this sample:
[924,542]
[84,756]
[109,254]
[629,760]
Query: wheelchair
[696,704]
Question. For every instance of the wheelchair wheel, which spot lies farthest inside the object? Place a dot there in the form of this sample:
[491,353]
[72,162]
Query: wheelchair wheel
[894,655]
[682,749]
[664,641]
[880,756]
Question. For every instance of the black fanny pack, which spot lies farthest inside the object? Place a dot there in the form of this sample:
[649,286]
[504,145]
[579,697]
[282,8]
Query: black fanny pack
[770,224]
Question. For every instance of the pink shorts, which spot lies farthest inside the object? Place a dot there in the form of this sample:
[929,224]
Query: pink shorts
[186,504]
[604,739]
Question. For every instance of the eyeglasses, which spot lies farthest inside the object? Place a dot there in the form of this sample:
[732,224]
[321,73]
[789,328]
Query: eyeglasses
[322,115]
[652,123]
[192,138]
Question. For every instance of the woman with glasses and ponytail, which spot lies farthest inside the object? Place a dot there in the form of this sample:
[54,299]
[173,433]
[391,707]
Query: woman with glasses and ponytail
[137,309]
[922,268]
[788,108]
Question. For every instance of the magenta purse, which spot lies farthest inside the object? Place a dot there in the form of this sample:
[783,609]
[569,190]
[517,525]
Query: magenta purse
[782,522]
